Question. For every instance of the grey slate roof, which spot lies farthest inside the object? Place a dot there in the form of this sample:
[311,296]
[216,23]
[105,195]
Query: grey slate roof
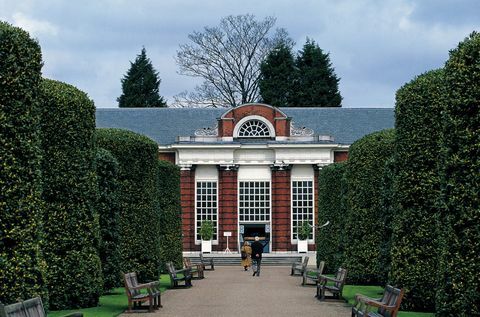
[163,125]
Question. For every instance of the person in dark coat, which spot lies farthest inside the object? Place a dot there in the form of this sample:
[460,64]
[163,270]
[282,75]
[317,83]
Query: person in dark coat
[257,250]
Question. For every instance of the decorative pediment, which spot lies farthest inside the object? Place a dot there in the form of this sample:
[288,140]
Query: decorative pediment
[209,131]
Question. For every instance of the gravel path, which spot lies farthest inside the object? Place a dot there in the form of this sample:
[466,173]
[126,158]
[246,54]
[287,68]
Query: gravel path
[230,291]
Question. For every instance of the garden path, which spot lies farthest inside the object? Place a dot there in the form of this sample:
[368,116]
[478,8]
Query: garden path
[230,291]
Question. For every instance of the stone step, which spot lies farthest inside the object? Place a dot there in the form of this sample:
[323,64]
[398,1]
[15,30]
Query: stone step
[229,260]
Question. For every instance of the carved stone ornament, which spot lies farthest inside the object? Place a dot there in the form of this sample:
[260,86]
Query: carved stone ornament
[300,131]
[210,131]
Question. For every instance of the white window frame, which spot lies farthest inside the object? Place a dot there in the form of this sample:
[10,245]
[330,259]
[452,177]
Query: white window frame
[271,129]
[267,181]
[302,179]
[197,241]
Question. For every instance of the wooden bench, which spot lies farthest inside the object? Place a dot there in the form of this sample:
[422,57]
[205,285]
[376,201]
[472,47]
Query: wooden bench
[311,276]
[195,269]
[136,297]
[185,276]
[29,308]
[387,306]
[325,284]
[299,267]
[207,261]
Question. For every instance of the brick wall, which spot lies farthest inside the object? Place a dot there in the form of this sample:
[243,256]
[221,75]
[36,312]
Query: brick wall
[340,156]
[227,209]
[187,197]
[167,156]
[279,121]
[281,212]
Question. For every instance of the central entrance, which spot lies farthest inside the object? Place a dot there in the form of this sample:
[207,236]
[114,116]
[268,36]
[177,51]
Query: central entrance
[248,232]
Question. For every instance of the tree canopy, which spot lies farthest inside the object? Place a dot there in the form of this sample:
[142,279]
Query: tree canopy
[140,85]
[227,57]
[317,83]
[278,77]
[306,80]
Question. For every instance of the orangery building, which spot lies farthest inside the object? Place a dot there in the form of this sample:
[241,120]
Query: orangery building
[252,170]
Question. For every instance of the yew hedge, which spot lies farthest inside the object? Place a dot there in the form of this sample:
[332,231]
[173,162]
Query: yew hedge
[459,286]
[21,264]
[70,223]
[139,213]
[365,214]
[170,214]
[418,111]
[109,217]
[330,239]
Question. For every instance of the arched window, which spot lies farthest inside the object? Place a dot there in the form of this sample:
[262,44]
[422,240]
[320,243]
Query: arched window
[254,129]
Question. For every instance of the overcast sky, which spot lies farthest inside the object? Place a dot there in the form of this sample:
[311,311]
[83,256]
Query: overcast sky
[375,46]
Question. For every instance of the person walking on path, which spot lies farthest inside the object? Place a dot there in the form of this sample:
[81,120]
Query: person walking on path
[257,250]
[246,252]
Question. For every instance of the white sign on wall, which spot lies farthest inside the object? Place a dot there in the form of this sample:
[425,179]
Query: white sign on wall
[267,228]
[227,233]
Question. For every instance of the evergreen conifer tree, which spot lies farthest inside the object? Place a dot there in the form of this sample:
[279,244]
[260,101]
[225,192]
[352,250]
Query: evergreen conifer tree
[140,85]
[278,76]
[317,83]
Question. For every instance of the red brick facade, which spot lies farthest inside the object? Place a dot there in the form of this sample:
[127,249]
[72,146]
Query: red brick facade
[187,196]
[167,156]
[340,156]
[279,120]
[281,210]
[227,211]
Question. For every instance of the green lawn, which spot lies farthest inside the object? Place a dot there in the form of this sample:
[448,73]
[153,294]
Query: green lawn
[111,305]
[349,292]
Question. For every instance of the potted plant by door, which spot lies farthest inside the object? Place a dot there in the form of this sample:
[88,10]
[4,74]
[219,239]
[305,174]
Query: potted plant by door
[206,233]
[304,231]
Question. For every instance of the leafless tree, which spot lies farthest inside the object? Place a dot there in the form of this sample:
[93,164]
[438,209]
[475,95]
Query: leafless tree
[228,58]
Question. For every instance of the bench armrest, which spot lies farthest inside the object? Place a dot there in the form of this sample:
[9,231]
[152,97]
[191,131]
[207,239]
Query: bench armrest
[363,299]
[325,279]
[374,303]
[187,270]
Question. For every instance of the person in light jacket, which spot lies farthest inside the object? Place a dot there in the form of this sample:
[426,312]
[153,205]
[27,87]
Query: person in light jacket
[247,262]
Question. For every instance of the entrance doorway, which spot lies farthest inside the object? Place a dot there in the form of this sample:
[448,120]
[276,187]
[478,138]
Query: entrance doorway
[248,232]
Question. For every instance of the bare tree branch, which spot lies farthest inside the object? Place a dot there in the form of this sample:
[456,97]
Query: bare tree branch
[228,58]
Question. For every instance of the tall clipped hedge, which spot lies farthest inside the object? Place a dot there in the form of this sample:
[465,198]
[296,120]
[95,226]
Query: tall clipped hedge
[459,289]
[71,227]
[139,213]
[21,265]
[330,239]
[364,177]
[418,137]
[109,215]
[171,214]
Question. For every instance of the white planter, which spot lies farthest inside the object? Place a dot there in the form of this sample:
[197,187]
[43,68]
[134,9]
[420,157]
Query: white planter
[302,246]
[206,246]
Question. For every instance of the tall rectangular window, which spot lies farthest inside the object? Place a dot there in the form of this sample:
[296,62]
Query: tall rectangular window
[254,201]
[206,206]
[302,205]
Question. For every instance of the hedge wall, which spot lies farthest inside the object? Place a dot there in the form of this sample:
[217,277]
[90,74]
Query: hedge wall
[71,227]
[364,227]
[418,125]
[330,239]
[109,215]
[459,289]
[171,214]
[21,265]
[139,213]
